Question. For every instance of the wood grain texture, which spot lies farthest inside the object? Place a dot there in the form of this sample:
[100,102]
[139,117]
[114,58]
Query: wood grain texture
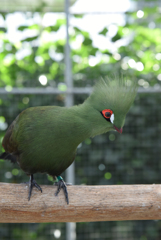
[86,203]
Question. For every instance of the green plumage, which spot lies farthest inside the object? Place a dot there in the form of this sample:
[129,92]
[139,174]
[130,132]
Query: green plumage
[45,139]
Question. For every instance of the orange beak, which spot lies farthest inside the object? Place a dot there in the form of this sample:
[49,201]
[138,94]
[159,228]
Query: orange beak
[118,129]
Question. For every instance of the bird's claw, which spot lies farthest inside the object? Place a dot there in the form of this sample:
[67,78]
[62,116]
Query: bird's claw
[63,185]
[33,183]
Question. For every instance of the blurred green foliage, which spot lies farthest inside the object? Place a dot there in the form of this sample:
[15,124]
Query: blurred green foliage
[138,55]
[130,158]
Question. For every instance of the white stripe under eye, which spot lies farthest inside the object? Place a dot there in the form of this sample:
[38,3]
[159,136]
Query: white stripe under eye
[112,118]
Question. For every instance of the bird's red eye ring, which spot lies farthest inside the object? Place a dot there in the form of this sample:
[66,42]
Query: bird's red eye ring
[107,113]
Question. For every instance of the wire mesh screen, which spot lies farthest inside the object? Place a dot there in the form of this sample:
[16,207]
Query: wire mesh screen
[129,158]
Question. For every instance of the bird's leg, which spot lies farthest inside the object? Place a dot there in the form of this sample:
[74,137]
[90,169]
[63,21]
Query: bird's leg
[61,184]
[32,183]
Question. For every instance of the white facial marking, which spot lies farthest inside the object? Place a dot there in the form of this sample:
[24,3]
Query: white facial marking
[112,118]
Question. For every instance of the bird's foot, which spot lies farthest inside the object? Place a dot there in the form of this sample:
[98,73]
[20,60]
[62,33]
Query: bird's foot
[63,185]
[33,183]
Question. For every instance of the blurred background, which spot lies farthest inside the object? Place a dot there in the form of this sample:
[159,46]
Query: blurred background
[52,53]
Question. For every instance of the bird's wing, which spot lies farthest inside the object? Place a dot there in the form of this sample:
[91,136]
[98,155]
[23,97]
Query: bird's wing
[8,142]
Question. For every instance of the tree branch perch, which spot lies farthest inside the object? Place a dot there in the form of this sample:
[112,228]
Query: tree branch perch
[86,203]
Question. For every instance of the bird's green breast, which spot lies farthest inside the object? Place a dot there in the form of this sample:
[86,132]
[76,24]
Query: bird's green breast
[47,138]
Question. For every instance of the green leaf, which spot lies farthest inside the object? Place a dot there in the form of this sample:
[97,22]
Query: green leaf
[54,28]
[77,29]
[2,29]
[61,21]
[104,31]
[21,28]
[107,52]
[116,37]
[29,39]
[87,41]
[34,26]
[78,15]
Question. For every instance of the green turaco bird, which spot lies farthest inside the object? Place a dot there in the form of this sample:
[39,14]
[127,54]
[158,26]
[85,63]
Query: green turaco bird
[44,139]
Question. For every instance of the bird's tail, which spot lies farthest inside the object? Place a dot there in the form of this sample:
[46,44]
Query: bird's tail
[8,156]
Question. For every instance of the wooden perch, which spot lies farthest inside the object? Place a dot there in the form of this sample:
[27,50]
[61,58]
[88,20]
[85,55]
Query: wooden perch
[86,203]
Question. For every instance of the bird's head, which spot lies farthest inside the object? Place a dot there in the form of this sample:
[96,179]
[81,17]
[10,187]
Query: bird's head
[112,99]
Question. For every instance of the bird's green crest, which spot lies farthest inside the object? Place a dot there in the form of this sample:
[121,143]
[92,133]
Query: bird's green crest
[117,95]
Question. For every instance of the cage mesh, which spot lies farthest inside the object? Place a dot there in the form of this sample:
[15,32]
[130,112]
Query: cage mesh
[132,157]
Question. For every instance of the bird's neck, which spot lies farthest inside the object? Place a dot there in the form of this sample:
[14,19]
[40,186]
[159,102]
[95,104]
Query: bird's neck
[88,121]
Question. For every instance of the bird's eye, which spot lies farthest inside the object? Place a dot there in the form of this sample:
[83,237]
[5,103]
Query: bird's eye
[108,115]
